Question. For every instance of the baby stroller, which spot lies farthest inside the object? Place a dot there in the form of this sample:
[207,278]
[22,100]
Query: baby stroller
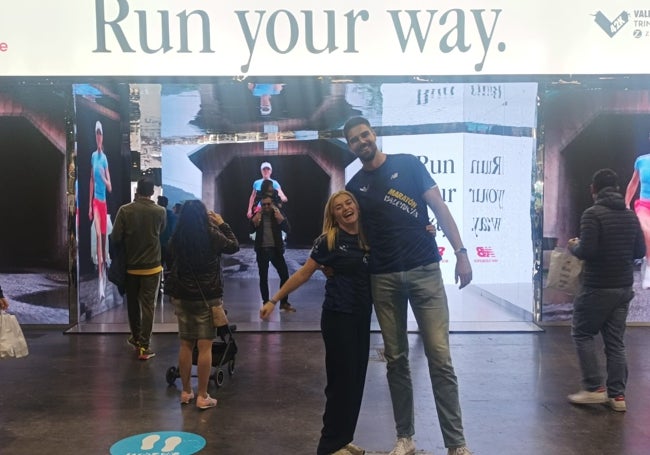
[223,356]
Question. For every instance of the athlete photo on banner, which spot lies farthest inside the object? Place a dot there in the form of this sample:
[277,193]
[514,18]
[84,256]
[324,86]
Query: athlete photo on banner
[102,186]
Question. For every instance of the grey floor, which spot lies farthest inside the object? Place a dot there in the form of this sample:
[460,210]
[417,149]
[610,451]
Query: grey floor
[81,393]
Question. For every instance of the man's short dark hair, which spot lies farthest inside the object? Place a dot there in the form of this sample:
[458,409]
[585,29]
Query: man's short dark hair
[604,178]
[354,121]
[163,201]
[145,187]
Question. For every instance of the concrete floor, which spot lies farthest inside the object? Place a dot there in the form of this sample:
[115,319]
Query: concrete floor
[82,393]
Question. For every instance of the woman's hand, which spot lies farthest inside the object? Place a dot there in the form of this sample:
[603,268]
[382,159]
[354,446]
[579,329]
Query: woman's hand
[216,218]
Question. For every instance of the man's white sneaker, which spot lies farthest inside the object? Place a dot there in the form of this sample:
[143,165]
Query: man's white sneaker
[586,397]
[617,404]
[403,446]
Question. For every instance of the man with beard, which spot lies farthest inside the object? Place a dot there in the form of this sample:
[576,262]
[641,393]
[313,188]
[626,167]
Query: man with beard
[393,192]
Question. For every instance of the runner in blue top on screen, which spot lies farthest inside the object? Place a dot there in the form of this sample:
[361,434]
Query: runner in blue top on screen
[100,183]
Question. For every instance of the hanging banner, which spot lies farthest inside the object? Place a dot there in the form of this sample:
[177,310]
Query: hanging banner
[293,38]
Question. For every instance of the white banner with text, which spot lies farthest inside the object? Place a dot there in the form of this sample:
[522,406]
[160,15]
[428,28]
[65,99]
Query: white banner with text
[332,38]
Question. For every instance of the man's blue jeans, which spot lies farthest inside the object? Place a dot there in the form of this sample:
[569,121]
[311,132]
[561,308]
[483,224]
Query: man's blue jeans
[605,311]
[424,289]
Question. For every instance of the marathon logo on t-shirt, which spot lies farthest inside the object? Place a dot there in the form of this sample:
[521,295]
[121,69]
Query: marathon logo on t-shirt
[402,202]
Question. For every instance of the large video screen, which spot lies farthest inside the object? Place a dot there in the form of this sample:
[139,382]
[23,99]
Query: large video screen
[476,140]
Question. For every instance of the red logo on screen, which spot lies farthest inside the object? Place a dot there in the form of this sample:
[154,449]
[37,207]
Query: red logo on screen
[485,252]
[4,47]
[441,250]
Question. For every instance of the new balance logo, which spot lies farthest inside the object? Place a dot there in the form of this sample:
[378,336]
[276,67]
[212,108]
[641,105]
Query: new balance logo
[484,252]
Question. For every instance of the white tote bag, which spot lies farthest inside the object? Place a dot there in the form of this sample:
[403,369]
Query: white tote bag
[564,272]
[12,340]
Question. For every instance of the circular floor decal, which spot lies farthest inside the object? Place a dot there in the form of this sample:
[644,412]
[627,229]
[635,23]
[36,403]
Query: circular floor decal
[159,443]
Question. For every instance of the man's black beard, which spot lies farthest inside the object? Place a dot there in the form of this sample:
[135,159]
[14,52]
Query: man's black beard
[369,158]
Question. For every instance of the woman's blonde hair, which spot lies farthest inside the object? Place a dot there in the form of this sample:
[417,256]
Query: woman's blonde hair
[331,227]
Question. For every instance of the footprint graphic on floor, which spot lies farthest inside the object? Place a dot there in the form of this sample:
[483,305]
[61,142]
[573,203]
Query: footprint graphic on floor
[159,443]
[149,441]
[171,443]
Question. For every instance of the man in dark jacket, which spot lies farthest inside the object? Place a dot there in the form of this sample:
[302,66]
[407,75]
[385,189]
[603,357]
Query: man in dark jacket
[268,225]
[610,239]
[137,229]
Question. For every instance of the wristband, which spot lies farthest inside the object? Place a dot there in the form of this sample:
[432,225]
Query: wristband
[273,301]
[461,251]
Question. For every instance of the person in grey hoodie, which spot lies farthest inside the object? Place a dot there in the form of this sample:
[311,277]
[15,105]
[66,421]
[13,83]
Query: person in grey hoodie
[610,239]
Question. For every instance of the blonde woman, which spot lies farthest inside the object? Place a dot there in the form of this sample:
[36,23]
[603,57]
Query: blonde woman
[345,318]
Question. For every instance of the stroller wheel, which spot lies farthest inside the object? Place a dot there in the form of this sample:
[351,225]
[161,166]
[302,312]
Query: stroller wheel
[231,367]
[172,374]
[219,377]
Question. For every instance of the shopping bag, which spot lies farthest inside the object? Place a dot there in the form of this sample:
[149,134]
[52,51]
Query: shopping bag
[564,271]
[12,340]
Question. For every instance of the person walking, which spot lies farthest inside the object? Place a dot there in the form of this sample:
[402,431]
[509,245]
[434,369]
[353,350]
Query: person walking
[137,230]
[394,192]
[268,225]
[345,319]
[195,283]
[610,239]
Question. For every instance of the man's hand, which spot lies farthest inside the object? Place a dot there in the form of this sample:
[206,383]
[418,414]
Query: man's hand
[4,304]
[463,272]
[572,243]
[277,214]
[266,310]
